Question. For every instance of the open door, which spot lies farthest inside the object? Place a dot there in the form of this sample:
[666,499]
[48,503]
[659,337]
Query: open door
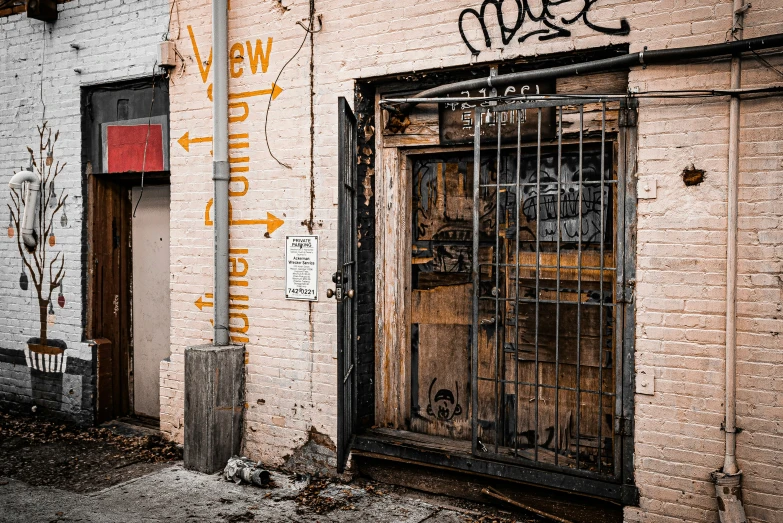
[345,282]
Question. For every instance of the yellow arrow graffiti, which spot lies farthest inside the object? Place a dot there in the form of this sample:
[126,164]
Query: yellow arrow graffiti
[274,91]
[186,140]
[272,222]
[201,303]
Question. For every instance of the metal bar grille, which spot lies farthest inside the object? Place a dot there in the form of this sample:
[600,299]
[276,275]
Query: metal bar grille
[545,369]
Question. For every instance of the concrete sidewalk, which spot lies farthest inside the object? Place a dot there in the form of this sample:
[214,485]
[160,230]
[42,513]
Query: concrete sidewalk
[176,494]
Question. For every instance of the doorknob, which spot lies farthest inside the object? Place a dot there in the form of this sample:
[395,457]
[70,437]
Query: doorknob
[337,293]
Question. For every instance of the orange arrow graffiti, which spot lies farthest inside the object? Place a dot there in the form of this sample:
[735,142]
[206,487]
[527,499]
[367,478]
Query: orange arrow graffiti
[274,91]
[201,303]
[272,222]
[186,140]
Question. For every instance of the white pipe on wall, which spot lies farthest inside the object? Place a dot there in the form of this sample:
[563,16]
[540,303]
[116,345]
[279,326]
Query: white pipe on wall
[220,170]
[728,481]
[27,224]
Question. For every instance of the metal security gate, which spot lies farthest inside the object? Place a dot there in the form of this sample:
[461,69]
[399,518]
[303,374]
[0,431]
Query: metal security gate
[345,283]
[547,371]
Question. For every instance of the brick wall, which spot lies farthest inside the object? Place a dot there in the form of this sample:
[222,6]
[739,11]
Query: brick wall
[116,40]
[291,373]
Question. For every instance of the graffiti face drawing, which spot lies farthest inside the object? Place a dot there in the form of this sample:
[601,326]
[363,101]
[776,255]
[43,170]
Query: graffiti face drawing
[445,404]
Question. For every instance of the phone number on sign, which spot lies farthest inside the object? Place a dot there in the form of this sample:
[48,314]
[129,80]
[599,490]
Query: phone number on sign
[303,292]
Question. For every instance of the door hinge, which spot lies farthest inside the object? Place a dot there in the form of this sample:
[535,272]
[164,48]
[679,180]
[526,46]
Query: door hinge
[623,426]
[628,117]
[626,294]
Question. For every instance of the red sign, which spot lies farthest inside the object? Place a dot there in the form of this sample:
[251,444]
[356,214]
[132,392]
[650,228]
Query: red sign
[125,148]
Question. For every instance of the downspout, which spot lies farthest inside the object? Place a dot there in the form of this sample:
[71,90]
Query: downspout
[27,224]
[728,480]
[220,171]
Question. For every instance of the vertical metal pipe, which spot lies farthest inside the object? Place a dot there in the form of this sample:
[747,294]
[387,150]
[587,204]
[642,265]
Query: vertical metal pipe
[475,269]
[538,278]
[557,284]
[496,292]
[730,461]
[601,294]
[580,189]
[517,228]
[220,171]
[728,480]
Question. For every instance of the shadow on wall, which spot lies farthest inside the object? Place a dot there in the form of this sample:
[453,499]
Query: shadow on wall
[64,393]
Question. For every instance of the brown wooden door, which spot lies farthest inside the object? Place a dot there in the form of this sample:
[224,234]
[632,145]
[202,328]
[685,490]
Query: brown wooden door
[109,299]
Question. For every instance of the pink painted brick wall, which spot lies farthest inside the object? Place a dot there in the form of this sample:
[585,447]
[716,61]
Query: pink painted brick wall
[291,373]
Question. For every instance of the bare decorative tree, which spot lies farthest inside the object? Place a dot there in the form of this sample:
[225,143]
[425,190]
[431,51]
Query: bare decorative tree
[36,260]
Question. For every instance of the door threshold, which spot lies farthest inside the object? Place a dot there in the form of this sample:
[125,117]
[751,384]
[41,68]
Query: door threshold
[134,426]
[459,485]
[455,455]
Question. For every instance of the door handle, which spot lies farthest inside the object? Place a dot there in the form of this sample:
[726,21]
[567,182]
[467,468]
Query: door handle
[338,294]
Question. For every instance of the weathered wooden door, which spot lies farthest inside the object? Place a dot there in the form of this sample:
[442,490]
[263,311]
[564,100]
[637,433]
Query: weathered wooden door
[345,282]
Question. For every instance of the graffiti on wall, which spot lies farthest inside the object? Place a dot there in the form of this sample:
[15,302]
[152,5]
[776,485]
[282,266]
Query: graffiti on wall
[249,57]
[46,268]
[546,15]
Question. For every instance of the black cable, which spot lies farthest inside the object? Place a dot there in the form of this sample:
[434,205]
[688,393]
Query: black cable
[269,103]
[168,28]
[146,140]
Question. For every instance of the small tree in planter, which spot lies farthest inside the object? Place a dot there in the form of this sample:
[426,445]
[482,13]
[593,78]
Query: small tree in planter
[46,274]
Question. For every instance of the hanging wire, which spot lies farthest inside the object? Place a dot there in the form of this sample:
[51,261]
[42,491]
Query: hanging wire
[168,27]
[43,59]
[309,31]
[146,140]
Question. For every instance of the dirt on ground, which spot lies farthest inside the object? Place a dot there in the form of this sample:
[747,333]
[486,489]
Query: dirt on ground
[45,453]
[77,459]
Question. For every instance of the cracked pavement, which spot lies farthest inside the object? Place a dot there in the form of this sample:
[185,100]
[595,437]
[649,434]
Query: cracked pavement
[176,494]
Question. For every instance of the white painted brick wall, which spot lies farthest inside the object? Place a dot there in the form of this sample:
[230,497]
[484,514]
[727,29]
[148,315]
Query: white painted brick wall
[291,371]
[117,40]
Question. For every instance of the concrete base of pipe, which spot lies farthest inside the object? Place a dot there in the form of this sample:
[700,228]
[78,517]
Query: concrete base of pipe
[728,491]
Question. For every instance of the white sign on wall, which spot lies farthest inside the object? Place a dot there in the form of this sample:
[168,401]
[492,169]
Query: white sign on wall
[301,268]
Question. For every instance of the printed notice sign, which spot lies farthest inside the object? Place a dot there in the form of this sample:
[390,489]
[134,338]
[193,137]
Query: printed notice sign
[301,268]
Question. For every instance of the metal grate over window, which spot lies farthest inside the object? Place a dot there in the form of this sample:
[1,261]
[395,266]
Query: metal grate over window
[545,343]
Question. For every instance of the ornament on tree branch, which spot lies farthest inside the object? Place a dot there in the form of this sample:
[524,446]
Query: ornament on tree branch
[50,318]
[52,196]
[23,281]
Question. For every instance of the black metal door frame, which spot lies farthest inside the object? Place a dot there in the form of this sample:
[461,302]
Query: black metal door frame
[345,281]
[621,301]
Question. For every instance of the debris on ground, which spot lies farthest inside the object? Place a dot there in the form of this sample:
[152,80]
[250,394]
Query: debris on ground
[245,470]
[79,459]
[151,449]
[322,496]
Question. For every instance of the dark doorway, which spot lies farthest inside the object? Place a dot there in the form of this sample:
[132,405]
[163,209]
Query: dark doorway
[124,148]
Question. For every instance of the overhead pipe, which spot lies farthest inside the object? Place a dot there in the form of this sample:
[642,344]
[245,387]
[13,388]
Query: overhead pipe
[27,226]
[728,480]
[643,58]
[220,170]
